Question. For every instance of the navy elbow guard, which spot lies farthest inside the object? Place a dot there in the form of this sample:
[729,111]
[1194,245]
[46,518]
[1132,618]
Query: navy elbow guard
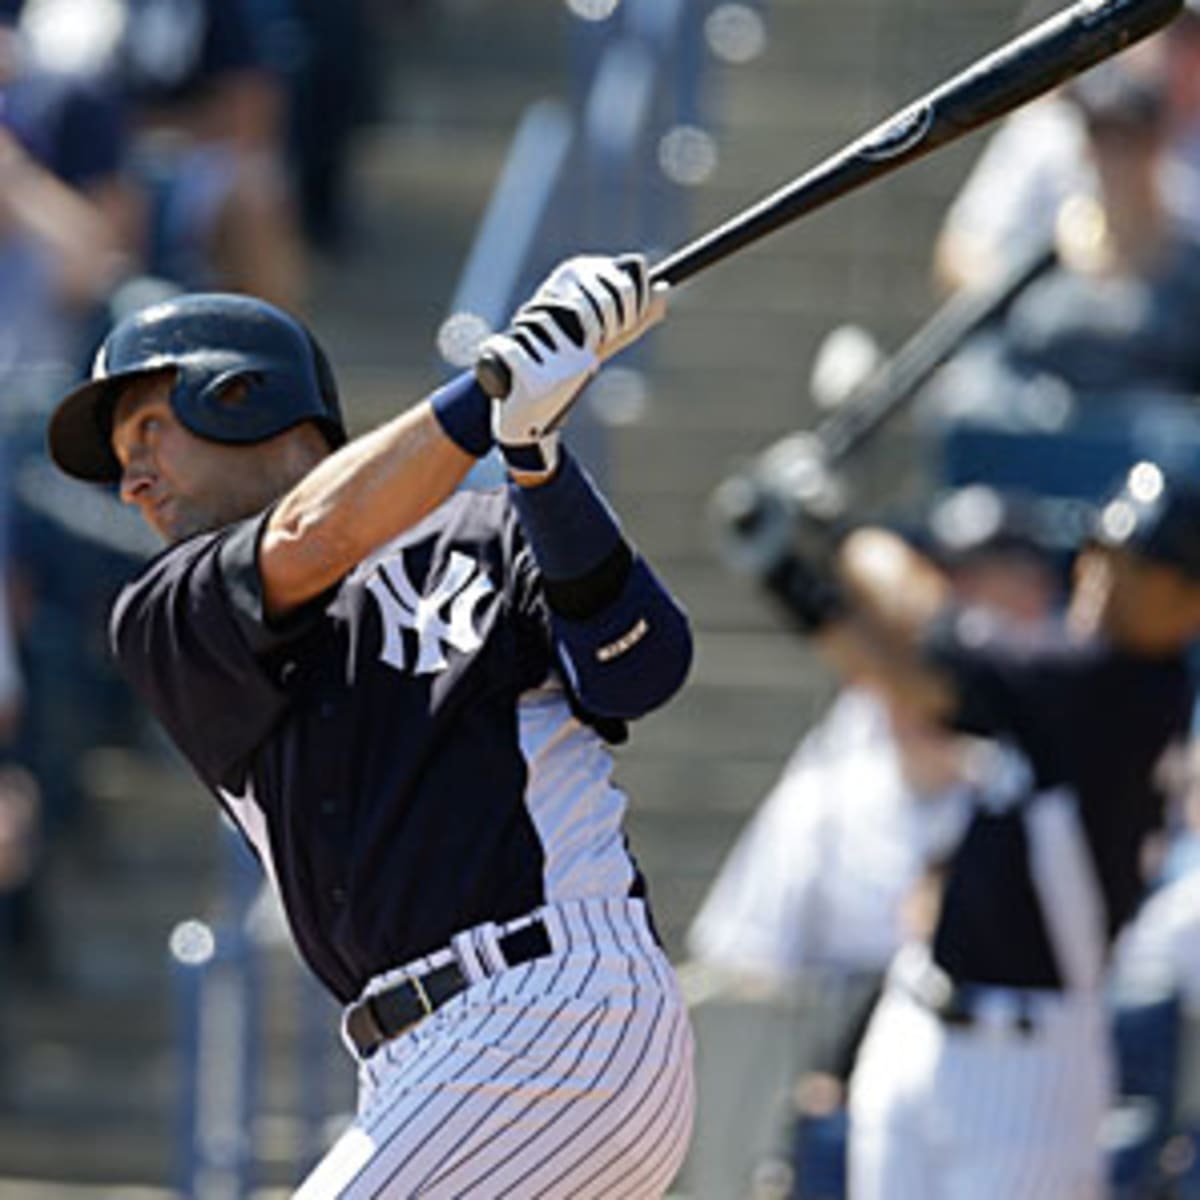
[633,656]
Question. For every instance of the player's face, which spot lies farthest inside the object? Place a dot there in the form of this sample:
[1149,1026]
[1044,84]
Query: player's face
[180,483]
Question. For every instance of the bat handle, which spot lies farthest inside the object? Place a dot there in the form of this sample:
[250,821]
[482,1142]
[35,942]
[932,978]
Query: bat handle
[492,375]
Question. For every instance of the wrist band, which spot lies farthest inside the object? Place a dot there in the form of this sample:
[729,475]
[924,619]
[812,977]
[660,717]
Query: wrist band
[464,412]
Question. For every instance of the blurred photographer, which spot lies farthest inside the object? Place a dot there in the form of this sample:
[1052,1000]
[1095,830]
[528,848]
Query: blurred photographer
[839,866]
[1112,318]
[986,1067]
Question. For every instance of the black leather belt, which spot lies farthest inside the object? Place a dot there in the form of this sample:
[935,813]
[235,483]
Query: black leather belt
[958,1004]
[387,1014]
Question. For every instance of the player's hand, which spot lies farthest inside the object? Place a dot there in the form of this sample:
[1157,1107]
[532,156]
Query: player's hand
[808,591]
[586,310]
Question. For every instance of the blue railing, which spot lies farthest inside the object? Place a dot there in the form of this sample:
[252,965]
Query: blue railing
[215,969]
[588,173]
[515,220]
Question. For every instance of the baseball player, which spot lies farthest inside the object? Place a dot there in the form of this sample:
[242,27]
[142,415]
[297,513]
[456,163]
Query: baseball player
[985,1069]
[402,698]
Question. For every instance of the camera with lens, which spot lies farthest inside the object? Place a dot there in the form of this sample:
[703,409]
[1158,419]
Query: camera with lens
[778,520]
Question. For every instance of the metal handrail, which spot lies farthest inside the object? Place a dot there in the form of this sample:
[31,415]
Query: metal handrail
[516,214]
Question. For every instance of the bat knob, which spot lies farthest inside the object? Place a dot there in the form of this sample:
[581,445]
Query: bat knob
[492,374]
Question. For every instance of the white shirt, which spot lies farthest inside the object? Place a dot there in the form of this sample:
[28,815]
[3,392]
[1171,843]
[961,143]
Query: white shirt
[821,871]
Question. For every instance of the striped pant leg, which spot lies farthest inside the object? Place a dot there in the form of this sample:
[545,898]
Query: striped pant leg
[889,1155]
[567,1077]
[985,1113]
[1024,1110]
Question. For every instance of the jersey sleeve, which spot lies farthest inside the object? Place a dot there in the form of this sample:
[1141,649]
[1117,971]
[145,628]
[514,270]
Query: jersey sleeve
[190,635]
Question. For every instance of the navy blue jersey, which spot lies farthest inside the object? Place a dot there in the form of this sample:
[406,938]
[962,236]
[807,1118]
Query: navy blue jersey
[1049,867]
[404,756]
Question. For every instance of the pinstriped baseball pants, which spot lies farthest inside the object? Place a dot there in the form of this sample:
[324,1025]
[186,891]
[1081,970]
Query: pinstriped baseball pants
[987,1111]
[566,1077]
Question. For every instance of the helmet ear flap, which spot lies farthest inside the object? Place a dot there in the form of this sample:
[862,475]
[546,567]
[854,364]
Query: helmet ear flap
[221,406]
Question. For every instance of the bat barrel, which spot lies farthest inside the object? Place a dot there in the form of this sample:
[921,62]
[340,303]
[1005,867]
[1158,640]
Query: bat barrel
[1023,68]
[1027,66]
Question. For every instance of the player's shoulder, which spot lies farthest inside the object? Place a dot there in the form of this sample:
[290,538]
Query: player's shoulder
[164,572]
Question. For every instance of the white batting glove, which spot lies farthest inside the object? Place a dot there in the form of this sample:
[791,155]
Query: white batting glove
[587,309]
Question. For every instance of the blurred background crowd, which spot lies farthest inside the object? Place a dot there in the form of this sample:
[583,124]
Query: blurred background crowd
[145,148]
[148,146]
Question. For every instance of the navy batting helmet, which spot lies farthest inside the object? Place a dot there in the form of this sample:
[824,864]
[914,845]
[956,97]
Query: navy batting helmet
[1156,516]
[211,341]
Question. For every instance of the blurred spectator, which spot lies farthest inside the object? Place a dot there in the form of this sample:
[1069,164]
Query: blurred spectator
[210,134]
[1039,159]
[820,875]
[69,219]
[839,866]
[324,50]
[211,140]
[69,216]
[1114,316]
[821,888]
[867,800]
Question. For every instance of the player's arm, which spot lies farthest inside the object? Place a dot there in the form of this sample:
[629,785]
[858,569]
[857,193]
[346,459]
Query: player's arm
[368,492]
[623,642]
[382,483]
[872,619]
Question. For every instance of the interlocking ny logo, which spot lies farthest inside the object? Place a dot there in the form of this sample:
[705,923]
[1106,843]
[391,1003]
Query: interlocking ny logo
[462,586]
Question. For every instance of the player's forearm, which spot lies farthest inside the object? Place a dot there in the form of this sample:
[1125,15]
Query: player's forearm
[624,643]
[893,595]
[356,501]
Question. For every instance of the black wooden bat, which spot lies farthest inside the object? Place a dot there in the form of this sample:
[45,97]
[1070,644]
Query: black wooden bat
[1023,68]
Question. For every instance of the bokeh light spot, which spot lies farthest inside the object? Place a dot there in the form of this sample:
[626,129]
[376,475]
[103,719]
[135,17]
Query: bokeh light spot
[687,155]
[459,337]
[593,10]
[736,33]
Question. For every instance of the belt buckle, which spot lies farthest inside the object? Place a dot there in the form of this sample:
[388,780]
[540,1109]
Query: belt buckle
[422,995]
[364,1026]
[364,1029]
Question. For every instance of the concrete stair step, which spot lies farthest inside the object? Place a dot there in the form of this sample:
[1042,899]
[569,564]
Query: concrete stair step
[87,1153]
